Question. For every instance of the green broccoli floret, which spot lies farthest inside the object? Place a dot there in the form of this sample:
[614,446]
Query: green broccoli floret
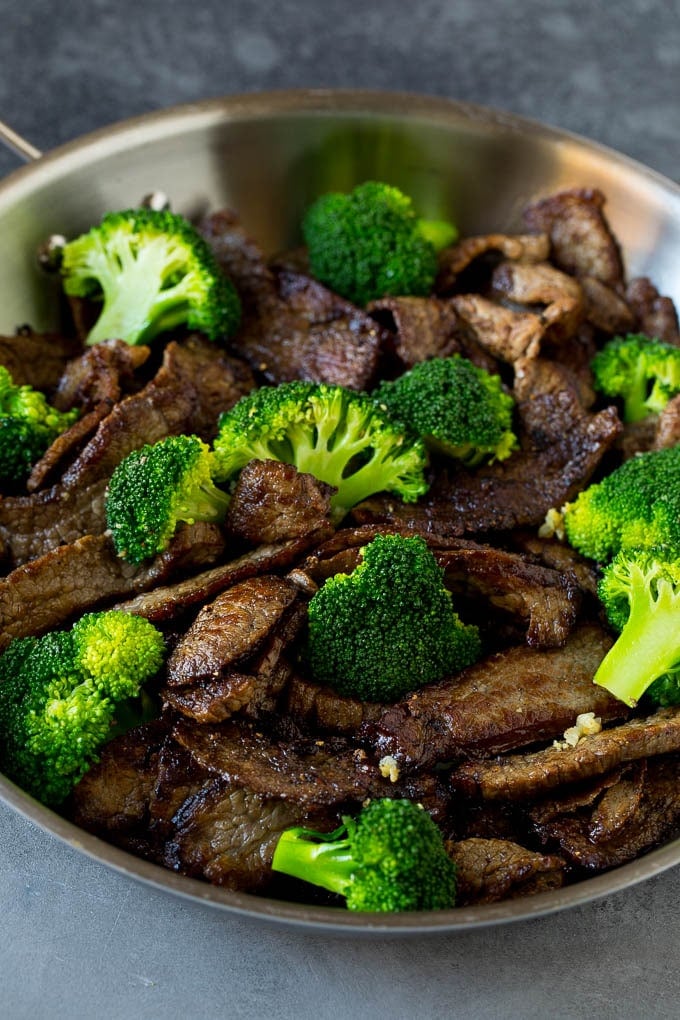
[151,271]
[370,243]
[59,701]
[339,436]
[389,627]
[156,487]
[636,506]
[28,426]
[640,590]
[458,409]
[643,371]
[391,857]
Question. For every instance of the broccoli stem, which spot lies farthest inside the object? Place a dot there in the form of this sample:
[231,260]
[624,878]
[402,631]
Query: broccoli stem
[646,648]
[327,863]
[207,503]
[126,311]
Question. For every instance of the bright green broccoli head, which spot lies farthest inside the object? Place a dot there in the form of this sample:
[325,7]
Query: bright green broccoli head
[458,409]
[389,627]
[636,506]
[370,243]
[642,371]
[391,857]
[155,488]
[152,271]
[28,426]
[339,436]
[58,702]
[640,590]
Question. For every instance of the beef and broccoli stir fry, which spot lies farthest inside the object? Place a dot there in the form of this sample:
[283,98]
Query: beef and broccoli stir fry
[351,576]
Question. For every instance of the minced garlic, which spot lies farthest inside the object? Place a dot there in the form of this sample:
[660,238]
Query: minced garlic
[389,768]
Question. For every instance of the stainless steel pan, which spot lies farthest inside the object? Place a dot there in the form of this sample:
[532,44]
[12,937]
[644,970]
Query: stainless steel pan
[267,155]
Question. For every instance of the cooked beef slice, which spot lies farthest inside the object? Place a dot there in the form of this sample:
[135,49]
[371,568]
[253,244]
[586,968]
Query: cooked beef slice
[518,247]
[667,431]
[65,448]
[273,502]
[37,359]
[101,374]
[581,241]
[539,284]
[506,334]
[252,687]
[48,591]
[219,380]
[421,327]
[166,603]
[321,709]
[647,811]
[509,700]
[240,257]
[605,308]
[519,777]
[654,315]
[559,557]
[228,835]
[490,870]
[230,629]
[112,799]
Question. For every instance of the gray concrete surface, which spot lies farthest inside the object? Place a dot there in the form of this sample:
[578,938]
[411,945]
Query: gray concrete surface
[79,941]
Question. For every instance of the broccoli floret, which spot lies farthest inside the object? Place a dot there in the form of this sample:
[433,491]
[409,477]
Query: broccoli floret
[389,627]
[391,857]
[458,409]
[636,506]
[151,271]
[339,436]
[156,487]
[28,426]
[640,590]
[643,371]
[59,701]
[370,243]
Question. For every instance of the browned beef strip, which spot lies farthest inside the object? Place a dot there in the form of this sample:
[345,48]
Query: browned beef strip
[37,359]
[651,815]
[490,870]
[536,284]
[46,592]
[560,557]
[581,240]
[505,333]
[423,328]
[654,315]
[517,777]
[101,374]
[251,687]
[605,308]
[165,603]
[240,257]
[519,247]
[321,709]
[111,800]
[228,835]
[273,502]
[509,700]
[219,379]
[307,771]
[230,629]
[667,431]
[65,447]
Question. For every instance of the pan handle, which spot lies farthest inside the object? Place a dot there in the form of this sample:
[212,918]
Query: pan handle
[17,144]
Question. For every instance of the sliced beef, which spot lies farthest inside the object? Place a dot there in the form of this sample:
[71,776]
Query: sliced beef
[633,816]
[518,777]
[37,359]
[273,502]
[101,374]
[48,591]
[321,709]
[559,557]
[491,870]
[65,448]
[605,308]
[654,314]
[422,328]
[506,334]
[240,257]
[165,603]
[219,381]
[518,247]
[581,240]
[230,629]
[509,700]
[667,431]
[540,284]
